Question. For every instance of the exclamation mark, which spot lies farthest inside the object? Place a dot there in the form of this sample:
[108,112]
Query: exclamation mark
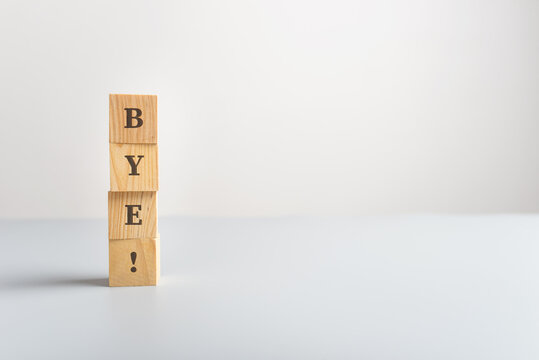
[133,259]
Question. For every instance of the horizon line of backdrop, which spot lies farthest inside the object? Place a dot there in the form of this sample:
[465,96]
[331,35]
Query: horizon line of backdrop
[270,108]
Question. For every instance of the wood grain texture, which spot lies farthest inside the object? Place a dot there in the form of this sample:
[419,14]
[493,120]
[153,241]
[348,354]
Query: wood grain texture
[119,133]
[145,268]
[143,219]
[122,174]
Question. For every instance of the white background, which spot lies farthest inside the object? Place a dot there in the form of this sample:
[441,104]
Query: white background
[276,107]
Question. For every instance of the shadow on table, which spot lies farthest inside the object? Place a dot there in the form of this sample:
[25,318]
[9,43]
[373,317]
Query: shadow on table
[53,282]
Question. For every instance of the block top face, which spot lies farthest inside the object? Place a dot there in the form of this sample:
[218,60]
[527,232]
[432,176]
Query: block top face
[132,119]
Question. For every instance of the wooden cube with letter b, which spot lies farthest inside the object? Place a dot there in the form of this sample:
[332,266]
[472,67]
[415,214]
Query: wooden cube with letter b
[132,119]
[133,234]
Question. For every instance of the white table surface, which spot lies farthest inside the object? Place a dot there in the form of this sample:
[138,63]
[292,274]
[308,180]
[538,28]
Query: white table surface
[398,287]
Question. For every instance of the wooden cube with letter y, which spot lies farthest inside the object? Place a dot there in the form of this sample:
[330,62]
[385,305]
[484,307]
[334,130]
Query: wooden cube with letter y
[133,167]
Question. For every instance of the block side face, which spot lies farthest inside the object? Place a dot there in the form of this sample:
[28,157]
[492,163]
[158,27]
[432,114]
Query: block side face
[132,119]
[133,262]
[134,167]
[132,215]
[158,259]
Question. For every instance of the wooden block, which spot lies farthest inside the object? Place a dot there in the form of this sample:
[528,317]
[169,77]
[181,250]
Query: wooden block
[133,119]
[133,167]
[132,214]
[134,262]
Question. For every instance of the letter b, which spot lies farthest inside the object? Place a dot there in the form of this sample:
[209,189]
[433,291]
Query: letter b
[130,117]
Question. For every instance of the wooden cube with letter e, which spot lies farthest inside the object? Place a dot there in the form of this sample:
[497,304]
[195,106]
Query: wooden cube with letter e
[132,214]
[132,201]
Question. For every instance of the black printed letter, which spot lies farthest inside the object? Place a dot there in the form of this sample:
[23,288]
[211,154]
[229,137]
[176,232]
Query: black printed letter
[134,165]
[131,215]
[130,117]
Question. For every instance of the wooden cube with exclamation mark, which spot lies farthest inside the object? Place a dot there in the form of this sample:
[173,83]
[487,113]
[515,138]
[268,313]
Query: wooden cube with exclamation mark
[134,262]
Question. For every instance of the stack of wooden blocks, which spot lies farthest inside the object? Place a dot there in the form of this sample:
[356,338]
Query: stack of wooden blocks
[133,235]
